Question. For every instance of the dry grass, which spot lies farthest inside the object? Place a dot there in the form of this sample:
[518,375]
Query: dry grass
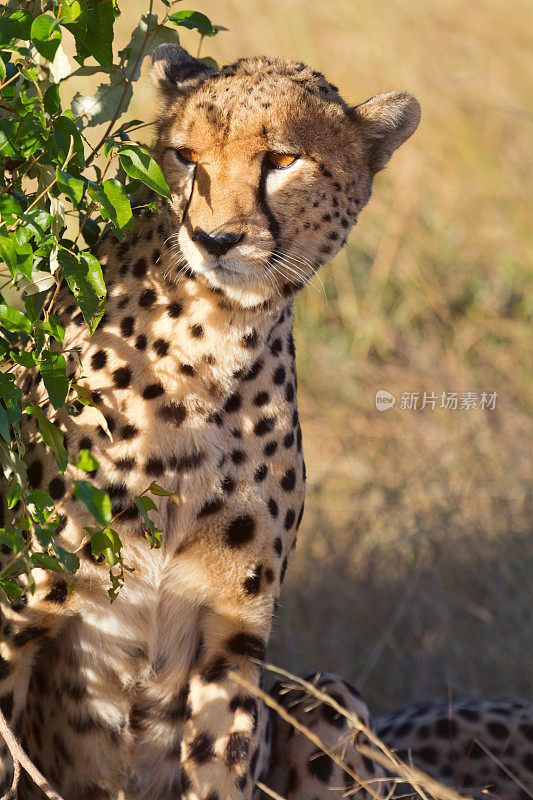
[413,573]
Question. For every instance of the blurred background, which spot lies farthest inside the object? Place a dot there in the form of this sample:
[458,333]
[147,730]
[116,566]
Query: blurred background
[413,575]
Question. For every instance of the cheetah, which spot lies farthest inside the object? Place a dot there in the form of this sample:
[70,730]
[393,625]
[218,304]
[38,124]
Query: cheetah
[192,367]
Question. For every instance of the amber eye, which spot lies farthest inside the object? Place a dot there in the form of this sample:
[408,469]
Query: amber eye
[279,160]
[187,155]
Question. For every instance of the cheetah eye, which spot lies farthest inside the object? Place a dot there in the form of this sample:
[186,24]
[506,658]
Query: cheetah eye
[187,155]
[279,160]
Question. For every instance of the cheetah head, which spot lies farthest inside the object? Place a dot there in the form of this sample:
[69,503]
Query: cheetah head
[268,167]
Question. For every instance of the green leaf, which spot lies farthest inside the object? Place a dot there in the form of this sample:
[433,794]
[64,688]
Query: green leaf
[11,395]
[42,281]
[17,254]
[85,280]
[13,495]
[24,358]
[51,436]
[84,395]
[40,499]
[145,504]
[71,11]
[64,132]
[72,187]
[194,21]
[21,24]
[70,561]
[95,500]
[114,202]
[46,35]
[10,208]
[86,461]
[54,371]
[4,426]
[37,502]
[52,327]
[154,488]
[12,589]
[51,100]
[104,540]
[86,398]
[12,465]
[14,320]
[96,38]
[140,165]
[46,561]
[36,222]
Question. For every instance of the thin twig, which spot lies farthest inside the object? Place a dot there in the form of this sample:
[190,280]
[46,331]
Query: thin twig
[20,757]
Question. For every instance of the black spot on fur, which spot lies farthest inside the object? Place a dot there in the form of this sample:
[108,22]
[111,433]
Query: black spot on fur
[320,766]
[260,473]
[154,466]
[28,635]
[197,331]
[174,413]
[240,531]
[497,730]
[58,592]
[252,584]
[161,347]
[279,375]
[99,359]
[141,342]
[227,484]
[246,644]
[122,377]
[174,309]
[270,448]
[233,403]
[238,456]
[147,298]
[215,671]
[211,507]
[139,268]
[152,391]
[288,481]
[254,371]
[127,326]
[237,748]
[128,432]
[57,488]
[264,425]
[201,748]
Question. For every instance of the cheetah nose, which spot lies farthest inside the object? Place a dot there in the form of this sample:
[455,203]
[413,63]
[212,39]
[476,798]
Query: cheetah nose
[217,244]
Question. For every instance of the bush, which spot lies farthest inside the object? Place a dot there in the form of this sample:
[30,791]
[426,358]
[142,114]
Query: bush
[55,202]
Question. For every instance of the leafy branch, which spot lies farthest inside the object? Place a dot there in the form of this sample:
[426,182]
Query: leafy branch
[50,175]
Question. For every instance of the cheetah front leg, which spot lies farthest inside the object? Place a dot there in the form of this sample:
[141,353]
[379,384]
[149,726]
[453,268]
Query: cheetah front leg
[25,626]
[220,754]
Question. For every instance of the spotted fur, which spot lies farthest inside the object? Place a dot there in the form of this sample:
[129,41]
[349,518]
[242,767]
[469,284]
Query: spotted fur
[193,369]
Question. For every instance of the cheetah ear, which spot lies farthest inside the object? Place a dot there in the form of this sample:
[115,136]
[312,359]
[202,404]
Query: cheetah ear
[173,66]
[386,121]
